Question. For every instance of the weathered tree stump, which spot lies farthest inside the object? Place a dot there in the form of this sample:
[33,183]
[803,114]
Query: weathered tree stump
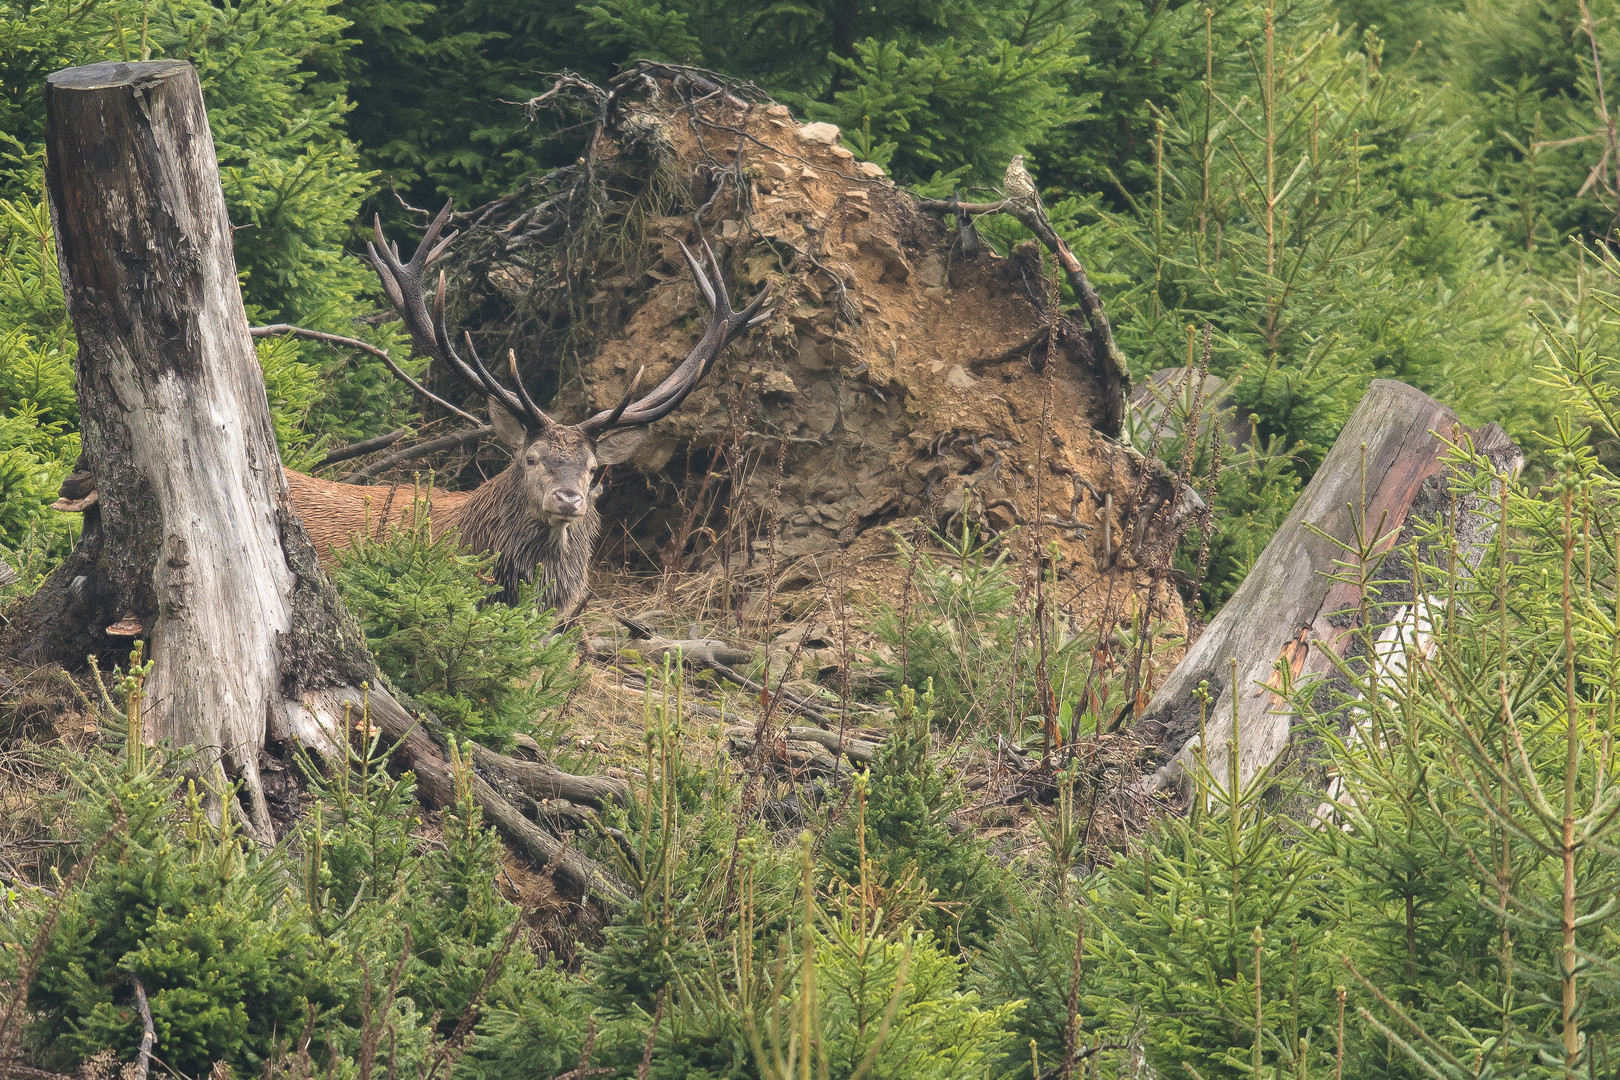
[191,541]
[1386,474]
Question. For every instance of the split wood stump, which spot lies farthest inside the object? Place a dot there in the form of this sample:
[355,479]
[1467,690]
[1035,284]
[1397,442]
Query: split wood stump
[190,541]
[1387,475]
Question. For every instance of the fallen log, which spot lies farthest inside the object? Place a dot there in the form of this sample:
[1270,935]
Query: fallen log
[702,652]
[417,750]
[542,780]
[1386,476]
[862,750]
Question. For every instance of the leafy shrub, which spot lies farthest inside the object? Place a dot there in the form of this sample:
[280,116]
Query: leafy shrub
[433,620]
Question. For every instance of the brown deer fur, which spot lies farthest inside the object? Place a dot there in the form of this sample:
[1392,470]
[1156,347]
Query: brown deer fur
[516,514]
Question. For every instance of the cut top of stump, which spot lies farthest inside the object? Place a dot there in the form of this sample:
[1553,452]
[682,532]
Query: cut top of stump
[115,73]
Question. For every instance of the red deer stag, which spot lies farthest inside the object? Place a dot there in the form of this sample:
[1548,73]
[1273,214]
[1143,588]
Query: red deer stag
[538,514]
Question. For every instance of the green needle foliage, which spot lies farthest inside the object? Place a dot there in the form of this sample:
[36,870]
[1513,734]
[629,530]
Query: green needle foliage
[489,670]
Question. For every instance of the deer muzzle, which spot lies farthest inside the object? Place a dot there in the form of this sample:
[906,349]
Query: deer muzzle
[567,504]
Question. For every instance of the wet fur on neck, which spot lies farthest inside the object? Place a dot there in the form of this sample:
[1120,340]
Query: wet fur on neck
[498,518]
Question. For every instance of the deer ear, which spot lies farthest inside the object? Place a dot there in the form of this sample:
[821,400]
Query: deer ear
[508,428]
[618,444]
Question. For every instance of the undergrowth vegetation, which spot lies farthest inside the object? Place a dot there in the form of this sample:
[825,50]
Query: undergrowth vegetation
[1445,910]
[489,670]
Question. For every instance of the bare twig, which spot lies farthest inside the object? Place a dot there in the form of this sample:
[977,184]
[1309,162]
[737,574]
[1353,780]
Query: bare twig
[420,450]
[361,448]
[364,346]
[371,1027]
[452,1048]
[143,1062]
[583,1070]
[1612,152]
[652,1036]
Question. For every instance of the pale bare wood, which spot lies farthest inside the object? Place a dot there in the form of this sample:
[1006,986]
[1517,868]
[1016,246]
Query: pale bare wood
[176,424]
[1388,467]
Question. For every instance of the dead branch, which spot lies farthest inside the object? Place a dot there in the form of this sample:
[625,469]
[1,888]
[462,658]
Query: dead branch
[364,346]
[420,450]
[1032,215]
[143,1062]
[361,448]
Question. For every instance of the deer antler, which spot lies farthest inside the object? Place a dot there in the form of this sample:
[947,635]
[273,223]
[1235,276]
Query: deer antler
[403,283]
[725,327]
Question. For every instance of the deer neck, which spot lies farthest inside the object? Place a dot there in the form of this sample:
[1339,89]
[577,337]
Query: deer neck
[497,517]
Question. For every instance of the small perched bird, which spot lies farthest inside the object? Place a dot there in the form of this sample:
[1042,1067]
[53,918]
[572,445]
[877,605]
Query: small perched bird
[1018,184]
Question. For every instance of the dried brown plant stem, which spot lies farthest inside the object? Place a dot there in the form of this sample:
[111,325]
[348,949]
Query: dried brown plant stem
[1338,1053]
[450,1051]
[652,1035]
[1071,1026]
[1611,152]
[583,1070]
[1569,847]
[143,1060]
[374,1023]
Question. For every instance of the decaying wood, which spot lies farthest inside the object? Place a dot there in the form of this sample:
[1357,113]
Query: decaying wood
[699,651]
[191,540]
[856,749]
[176,426]
[808,747]
[143,1057]
[1387,476]
[542,780]
[418,749]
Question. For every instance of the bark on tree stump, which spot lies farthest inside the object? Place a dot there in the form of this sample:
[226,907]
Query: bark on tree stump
[192,542]
[1289,607]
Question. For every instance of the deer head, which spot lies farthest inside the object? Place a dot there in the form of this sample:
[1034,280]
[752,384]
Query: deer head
[542,503]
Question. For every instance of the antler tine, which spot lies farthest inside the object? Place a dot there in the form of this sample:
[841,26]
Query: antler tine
[390,286]
[441,248]
[431,247]
[723,306]
[624,402]
[390,253]
[698,272]
[752,315]
[535,411]
[476,375]
[402,280]
[724,327]
[492,385]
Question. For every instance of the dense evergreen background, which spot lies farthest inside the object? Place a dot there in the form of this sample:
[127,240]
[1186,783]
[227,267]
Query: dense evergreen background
[1373,188]
[1428,167]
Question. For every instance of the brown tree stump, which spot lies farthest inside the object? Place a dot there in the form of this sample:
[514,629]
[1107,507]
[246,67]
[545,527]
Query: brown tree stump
[1386,474]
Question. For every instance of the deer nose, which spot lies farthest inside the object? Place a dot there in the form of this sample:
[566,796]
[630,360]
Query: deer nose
[568,503]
